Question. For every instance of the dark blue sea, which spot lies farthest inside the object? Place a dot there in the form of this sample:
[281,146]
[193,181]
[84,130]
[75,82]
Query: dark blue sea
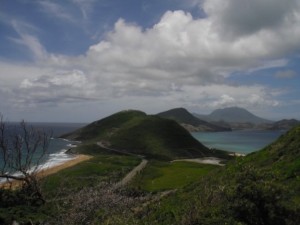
[56,152]
[240,141]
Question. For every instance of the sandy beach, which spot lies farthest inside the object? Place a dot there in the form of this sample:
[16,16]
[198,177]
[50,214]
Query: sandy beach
[69,163]
[51,170]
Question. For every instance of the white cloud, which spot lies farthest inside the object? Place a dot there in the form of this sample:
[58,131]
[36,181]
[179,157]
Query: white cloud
[65,86]
[224,101]
[75,79]
[28,40]
[236,18]
[54,9]
[215,96]
[181,59]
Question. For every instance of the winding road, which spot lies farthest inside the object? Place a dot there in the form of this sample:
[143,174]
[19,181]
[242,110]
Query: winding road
[133,172]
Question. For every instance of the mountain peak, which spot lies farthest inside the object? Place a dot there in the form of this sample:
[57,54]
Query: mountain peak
[236,115]
[184,117]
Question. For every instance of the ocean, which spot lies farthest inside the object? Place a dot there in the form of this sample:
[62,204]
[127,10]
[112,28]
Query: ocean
[240,141]
[56,151]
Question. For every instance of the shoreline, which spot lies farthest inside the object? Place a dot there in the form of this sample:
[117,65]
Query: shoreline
[49,170]
[66,164]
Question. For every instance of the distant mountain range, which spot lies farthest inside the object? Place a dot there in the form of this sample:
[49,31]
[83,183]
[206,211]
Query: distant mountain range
[284,124]
[240,118]
[190,122]
[233,115]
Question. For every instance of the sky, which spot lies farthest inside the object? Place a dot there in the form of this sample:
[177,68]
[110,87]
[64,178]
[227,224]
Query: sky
[82,60]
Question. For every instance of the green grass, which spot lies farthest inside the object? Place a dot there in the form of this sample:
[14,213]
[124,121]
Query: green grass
[91,148]
[109,168]
[105,127]
[158,176]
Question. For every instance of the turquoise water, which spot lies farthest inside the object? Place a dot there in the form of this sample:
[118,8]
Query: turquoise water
[242,141]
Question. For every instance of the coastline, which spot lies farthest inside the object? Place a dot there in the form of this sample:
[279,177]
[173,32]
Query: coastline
[69,163]
[50,170]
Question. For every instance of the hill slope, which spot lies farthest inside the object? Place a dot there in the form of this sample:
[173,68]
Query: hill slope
[261,188]
[283,155]
[284,124]
[233,115]
[135,132]
[186,119]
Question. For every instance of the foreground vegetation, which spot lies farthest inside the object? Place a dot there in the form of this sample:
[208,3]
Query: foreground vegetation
[261,188]
[161,176]
[60,188]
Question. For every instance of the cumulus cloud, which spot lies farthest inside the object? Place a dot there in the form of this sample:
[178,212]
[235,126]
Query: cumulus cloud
[180,50]
[180,59]
[74,79]
[66,86]
[222,95]
[237,18]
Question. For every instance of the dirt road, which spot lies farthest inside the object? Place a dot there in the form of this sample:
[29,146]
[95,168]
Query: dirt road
[132,174]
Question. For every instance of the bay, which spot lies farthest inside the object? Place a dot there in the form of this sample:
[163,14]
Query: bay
[240,141]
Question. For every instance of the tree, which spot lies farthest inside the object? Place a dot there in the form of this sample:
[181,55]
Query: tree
[22,148]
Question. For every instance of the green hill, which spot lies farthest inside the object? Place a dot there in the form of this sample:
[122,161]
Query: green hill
[185,118]
[261,188]
[104,127]
[282,156]
[135,132]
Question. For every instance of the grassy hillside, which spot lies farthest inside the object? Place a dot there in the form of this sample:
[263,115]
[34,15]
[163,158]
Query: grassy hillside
[135,132]
[261,188]
[161,176]
[104,127]
[282,156]
[181,115]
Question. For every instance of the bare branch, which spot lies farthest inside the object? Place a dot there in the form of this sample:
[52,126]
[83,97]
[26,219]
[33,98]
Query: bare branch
[21,150]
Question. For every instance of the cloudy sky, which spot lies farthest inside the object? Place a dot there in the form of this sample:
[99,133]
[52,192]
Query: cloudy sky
[81,60]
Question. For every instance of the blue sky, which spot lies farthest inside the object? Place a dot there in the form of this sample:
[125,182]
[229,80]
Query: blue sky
[81,60]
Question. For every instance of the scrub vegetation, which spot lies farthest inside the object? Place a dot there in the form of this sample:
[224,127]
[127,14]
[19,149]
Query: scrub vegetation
[260,188]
